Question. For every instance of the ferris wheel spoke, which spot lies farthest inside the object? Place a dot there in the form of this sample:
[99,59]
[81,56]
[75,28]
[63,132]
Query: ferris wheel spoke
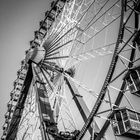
[24,119]
[128,30]
[102,29]
[59,57]
[109,98]
[125,64]
[46,70]
[99,31]
[56,43]
[92,22]
[124,92]
[131,46]
[70,29]
[124,58]
[91,54]
[57,40]
[88,90]
[57,34]
[128,100]
[133,8]
[81,85]
[88,25]
[127,42]
[108,110]
[48,82]
[138,59]
[61,114]
[68,108]
[61,38]
[52,54]
[25,133]
[56,48]
[102,117]
[63,35]
[69,122]
[48,67]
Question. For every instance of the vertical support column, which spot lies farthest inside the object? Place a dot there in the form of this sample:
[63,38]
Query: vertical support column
[84,111]
[44,107]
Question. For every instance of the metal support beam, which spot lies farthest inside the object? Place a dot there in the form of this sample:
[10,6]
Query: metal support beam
[84,111]
[43,107]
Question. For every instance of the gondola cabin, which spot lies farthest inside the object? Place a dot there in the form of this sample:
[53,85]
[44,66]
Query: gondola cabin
[44,25]
[5,126]
[18,83]
[39,35]
[22,75]
[7,115]
[34,44]
[22,62]
[9,105]
[133,80]
[24,65]
[56,6]
[12,93]
[3,137]
[126,122]
[50,16]
[16,97]
[21,72]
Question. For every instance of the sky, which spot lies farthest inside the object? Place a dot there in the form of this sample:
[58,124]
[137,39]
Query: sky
[18,21]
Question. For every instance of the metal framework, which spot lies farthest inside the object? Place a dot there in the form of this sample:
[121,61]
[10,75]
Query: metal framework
[49,101]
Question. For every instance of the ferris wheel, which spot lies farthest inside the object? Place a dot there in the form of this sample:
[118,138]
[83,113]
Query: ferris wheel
[80,79]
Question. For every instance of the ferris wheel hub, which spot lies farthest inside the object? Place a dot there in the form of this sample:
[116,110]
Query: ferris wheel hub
[35,54]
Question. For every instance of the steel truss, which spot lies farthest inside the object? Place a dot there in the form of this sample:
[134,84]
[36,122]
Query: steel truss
[39,106]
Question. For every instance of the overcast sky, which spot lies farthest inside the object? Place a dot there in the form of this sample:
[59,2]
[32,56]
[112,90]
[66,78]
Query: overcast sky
[18,21]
